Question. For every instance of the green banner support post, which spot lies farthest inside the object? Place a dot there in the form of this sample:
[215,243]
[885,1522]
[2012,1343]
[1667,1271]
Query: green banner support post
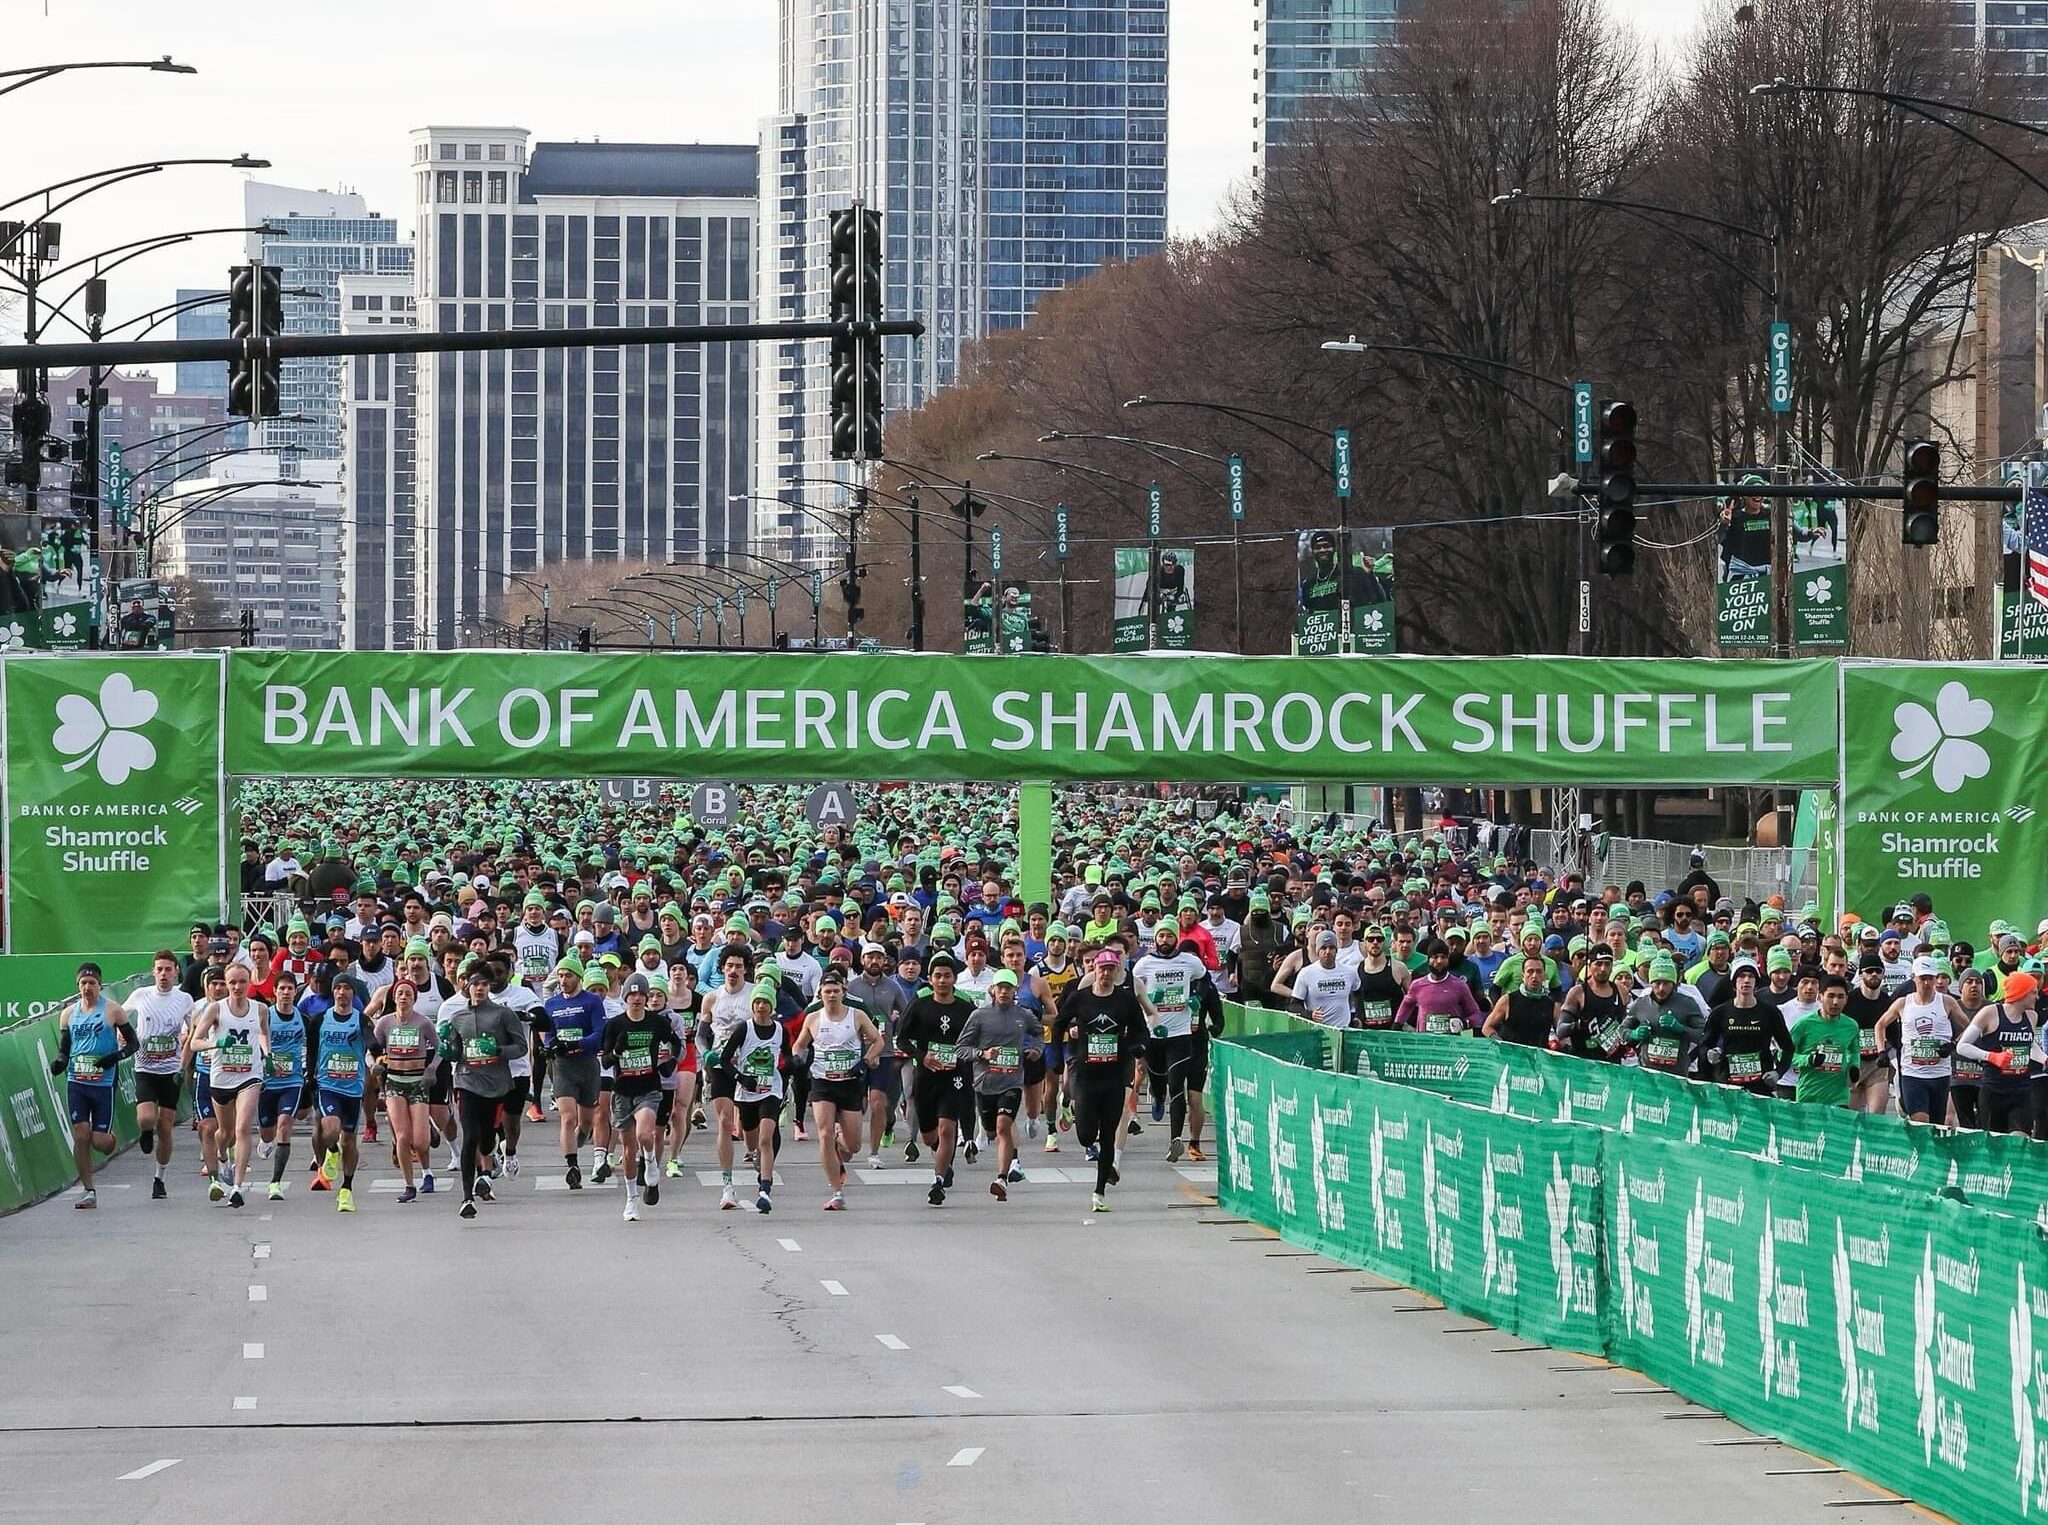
[1034,842]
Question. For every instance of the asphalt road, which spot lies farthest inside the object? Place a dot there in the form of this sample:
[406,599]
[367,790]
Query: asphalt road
[892,1363]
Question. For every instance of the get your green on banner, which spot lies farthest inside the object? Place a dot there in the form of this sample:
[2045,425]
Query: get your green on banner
[112,798]
[1940,790]
[1742,615]
[1405,720]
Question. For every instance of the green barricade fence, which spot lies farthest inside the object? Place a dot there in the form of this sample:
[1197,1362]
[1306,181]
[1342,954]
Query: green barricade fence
[2005,1171]
[35,1129]
[1893,1330]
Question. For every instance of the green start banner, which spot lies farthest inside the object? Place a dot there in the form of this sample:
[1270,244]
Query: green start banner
[1938,791]
[1401,720]
[1899,1332]
[112,796]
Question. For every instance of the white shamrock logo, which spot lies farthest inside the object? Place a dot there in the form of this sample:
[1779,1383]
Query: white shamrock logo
[1373,620]
[1175,625]
[1820,590]
[12,636]
[1941,738]
[65,625]
[109,730]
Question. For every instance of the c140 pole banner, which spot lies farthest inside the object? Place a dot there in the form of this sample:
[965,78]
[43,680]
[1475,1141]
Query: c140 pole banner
[1410,720]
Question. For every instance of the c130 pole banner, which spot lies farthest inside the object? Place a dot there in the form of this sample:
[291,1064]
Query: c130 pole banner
[1404,720]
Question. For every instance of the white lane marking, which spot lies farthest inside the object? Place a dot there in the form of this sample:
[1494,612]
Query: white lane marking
[149,1471]
[260,1251]
[245,1403]
[790,1244]
[266,1217]
[552,1183]
[745,1177]
[259,1294]
[834,1288]
[961,1392]
[1201,1175]
[890,1342]
[967,1456]
[252,1352]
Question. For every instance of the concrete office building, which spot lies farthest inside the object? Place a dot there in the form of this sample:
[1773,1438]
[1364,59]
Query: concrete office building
[379,549]
[274,548]
[531,457]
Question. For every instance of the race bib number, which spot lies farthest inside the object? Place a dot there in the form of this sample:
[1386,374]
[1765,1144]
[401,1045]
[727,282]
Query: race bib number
[566,1036]
[343,1065]
[1867,1037]
[1377,1013]
[480,1051]
[403,1043]
[1926,1051]
[1442,1023]
[235,1059]
[945,1055]
[837,1063]
[280,1066]
[1608,1037]
[1103,1048]
[1661,1053]
[1830,1058]
[1968,1069]
[88,1069]
[1743,1068]
[1005,1059]
[636,1061]
[160,1046]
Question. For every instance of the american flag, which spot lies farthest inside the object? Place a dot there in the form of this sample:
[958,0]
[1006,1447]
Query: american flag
[2034,531]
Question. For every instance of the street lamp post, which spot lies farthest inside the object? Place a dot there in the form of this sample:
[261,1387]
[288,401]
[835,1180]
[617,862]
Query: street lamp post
[35,74]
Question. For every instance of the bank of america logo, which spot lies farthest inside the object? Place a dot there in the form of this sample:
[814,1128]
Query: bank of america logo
[186,805]
[2017,813]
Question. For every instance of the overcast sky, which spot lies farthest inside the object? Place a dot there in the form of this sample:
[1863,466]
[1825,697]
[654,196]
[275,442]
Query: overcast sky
[329,90]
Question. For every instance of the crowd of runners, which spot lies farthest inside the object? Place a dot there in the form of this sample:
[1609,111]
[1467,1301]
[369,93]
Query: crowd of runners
[465,968]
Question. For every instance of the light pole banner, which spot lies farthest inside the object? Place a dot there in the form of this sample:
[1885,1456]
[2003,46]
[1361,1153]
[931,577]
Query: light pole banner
[733,715]
[1820,576]
[1319,599]
[1128,624]
[1940,791]
[113,792]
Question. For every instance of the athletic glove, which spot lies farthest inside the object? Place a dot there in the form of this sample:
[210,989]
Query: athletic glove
[1999,1059]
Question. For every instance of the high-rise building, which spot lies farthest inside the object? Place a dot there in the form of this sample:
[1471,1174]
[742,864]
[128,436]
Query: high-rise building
[2012,38]
[539,456]
[1305,51]
[272,546]
[1013,146]
[378,549]
[203,315]
[321,236]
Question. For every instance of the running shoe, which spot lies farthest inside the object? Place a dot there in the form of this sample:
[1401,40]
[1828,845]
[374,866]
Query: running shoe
[157,1191]
[674,1170]
[801,1136]
[836,1203]
[727,1199]
[1116,1177]
[345,1201]
[87,1198]
[331,1166]
[1016,1174]
[937,1195]
[370,1130]
[573,1177]
[277,1191]
[265,1149]
[1195,1152]
[910,1151]
[427,1183]
[1174,1151]
[1052,1142]
[468,1209]
[875,1161]
[889,1139]
[973,1150]
[763,1203]
[998,1190]
[534,1113]
[1159,1109]
[1097,1202]
[235,1198]
[320,1181]
[512,1166]
[1090,1153]
[650,1188]
[949,1178]
[632,1211]
[410,1194]
[1134,1128]
[1066,1118]
[214,1190]
[483,1189]
[603,1173]
[1031,1127]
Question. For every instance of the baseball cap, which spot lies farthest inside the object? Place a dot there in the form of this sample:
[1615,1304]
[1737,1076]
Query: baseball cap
[1003,977]
[1107,960]
[1924,968]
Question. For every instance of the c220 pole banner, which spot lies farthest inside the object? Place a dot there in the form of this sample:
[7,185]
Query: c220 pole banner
[1400,720]
[1941,789]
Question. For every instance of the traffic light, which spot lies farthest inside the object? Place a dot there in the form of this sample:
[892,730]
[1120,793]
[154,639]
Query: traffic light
[255,312]
[31,418]
[854,284]
[583,642]
[849,589]
[1616,527]
[1920,522]
[248,627]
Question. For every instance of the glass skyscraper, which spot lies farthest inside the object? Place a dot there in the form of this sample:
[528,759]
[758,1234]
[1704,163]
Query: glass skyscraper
[1313,49]
[1012,148]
